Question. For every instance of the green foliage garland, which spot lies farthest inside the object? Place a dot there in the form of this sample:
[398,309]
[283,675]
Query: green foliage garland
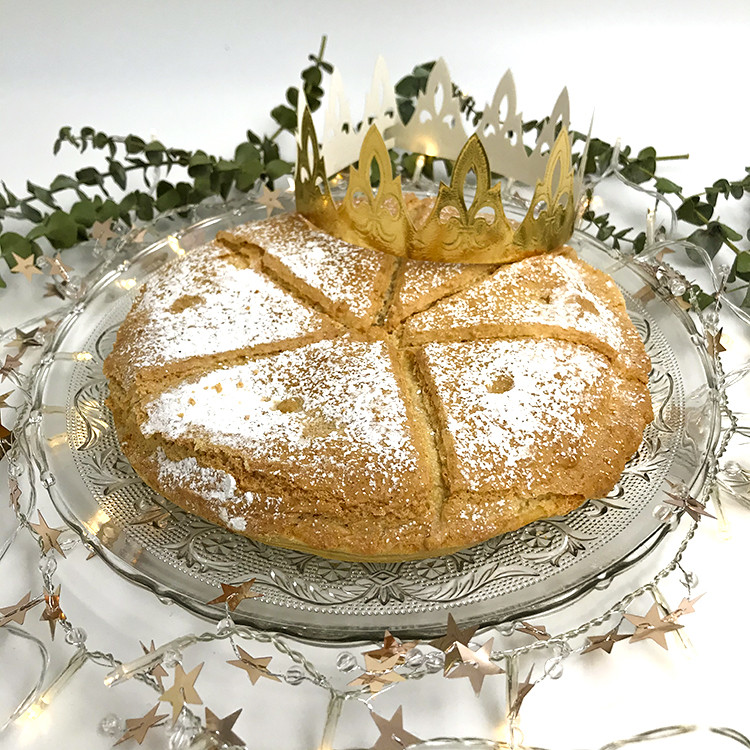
[258,158]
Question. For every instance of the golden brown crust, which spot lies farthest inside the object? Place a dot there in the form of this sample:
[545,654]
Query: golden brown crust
[370,444]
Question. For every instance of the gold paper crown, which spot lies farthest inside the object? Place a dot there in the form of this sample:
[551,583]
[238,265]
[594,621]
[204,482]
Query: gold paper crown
[377,216]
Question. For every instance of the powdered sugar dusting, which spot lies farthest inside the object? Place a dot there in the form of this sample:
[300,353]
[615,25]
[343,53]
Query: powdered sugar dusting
[215,486]
[344,273]
[509,297]
[507,401]
[326,414]
[226,308]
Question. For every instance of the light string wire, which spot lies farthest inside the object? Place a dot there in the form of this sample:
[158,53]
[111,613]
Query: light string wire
[20,453]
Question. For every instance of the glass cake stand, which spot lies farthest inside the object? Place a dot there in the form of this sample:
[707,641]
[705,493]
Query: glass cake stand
[517,575]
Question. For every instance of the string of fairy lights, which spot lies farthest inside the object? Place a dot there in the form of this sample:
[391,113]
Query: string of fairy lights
[171,677]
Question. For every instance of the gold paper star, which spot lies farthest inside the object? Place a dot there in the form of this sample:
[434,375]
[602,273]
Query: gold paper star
[51,290]
[392,646]
[25,266]
[49,326]
[713,340]
[475,665]
[448,642]
[604,642]
[52,612]
[538,631]
[4,400]
[156,516]
[692,507]
[393,736]
[101,231]
[140,234]
[57,267]
[378,674]
[15,490]
[255,668]
[664,251]
[47,535]
[222,728]
[522,691]
[645,294]
[10,365]
[182,691]
[651,626]
[233,595]
[686,607]
[23,341]
[136,729]
[158,671]
[17,613]
[269,199]
[6,440]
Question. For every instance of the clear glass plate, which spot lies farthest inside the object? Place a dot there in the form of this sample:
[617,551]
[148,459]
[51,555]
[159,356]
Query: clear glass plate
[516,575]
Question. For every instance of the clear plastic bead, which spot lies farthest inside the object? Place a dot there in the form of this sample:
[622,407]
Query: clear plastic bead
[506,629]
[711,320]
[172,657]
[553,668]
[294,675]
[435,661]
[112,725]
[68,540]
[345,661]
[414,659]
[677,287]
[76,637]
[224,625]
[732,469]
[603,584]
[47,479]
[48,565]
[662,513]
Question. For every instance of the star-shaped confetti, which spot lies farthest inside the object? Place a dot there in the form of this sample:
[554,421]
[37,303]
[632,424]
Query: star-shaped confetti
[686,607]
[137,729]
[645,294]
[10,365]
[156,516]
[52,612]
[448,642]
[255,668]
[182,691]
[47,535]
[692,507]
[6,440]
[101,231]
[269,199]
[233,595]
[604,642]
[57,268]
[652,626]
[713,341]
[392,646]
[393,736]
[17,613]
[538,631]
[378,674]
[48,327]
[475,665]
[26,266]
[52,290]
[157,672]
[524,688]
[14,489]
[23,341]
[222,728]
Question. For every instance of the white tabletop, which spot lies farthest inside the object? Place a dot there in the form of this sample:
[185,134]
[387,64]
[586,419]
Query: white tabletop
[198,75]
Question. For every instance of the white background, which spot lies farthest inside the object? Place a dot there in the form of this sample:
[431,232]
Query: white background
[197,75]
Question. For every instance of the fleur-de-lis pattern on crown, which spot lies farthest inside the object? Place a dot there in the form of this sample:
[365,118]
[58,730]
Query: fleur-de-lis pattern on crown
[376,216]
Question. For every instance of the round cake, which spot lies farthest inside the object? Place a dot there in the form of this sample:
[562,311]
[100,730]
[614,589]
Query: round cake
[319,396]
